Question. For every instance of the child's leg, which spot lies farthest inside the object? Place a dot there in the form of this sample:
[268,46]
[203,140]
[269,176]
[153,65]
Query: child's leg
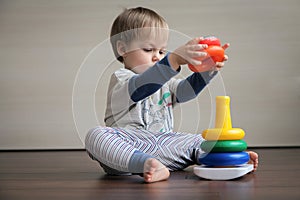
[109,170]
[110,148]
[114,150]
[179,150]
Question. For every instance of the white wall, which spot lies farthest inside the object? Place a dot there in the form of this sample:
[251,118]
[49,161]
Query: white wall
[44,43]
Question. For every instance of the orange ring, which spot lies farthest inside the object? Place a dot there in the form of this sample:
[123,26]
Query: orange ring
[223,134]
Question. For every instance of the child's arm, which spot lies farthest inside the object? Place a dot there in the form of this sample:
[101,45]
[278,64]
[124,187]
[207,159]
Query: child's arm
[143,85]
[190,87]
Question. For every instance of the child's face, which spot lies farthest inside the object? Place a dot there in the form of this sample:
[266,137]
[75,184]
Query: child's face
[142,54]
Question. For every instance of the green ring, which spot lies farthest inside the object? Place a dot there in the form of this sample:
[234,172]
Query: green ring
[224,146]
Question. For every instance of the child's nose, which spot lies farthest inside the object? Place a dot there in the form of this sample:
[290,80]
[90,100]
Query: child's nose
[155,56]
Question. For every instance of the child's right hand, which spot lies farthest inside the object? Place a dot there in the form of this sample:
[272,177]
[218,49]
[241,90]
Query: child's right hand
[187,54]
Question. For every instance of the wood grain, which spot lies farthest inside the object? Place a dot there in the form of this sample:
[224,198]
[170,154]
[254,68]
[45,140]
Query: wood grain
[72,175]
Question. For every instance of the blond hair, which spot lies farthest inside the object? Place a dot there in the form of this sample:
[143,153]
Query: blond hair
[127,25]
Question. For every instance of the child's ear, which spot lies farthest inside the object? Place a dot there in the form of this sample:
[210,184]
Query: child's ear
[121,47]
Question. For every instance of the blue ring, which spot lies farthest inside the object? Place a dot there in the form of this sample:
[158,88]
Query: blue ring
[224,159]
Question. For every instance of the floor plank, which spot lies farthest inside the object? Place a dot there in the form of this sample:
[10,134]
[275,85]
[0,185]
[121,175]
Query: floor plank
[72,175]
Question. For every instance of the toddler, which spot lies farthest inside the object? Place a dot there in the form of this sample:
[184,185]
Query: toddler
[138,137]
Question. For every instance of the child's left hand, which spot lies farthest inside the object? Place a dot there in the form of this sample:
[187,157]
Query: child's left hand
[219,65]
[188,53]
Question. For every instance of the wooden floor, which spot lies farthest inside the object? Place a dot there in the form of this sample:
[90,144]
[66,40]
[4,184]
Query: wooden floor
[72,175]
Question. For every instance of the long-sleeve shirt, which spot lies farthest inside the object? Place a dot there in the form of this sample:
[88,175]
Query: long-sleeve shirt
[146,100]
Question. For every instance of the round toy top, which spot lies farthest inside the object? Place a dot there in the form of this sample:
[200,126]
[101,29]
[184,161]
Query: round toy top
[210,41]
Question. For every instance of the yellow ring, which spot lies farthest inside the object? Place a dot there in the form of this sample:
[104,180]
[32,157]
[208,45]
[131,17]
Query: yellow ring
[223,134]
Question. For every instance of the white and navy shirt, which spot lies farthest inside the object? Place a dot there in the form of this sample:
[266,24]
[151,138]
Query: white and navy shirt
[146,101]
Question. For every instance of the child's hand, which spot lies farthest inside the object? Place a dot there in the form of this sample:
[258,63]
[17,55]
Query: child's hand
[219,65]
[188,53]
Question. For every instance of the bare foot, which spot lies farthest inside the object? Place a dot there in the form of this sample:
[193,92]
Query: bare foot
[253,159]
[155,171]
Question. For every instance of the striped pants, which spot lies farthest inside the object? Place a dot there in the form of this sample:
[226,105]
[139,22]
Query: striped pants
[113,148]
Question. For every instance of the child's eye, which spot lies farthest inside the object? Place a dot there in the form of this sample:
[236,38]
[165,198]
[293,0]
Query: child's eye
[147,49]
[162,52]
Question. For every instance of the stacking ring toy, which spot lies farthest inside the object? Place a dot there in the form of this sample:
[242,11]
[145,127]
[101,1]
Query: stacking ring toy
[224,159]
[225,173]
[224,146]
[223,134]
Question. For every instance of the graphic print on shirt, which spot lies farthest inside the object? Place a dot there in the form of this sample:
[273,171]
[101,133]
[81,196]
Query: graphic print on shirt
[158,114]
[163,99]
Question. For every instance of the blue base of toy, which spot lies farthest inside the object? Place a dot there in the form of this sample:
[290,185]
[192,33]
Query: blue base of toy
[224,159]
[222,173]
